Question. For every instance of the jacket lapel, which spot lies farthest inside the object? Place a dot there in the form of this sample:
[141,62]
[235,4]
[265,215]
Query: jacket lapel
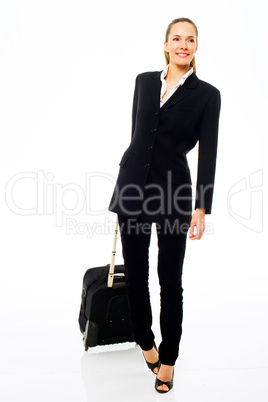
[179,94]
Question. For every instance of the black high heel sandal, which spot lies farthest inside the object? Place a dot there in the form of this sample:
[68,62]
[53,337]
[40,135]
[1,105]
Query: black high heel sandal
[159,382]
[152,366]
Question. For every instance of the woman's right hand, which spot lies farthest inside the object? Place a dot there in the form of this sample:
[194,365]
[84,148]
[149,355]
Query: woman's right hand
[198,222]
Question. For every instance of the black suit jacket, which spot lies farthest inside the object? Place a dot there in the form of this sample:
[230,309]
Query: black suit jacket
[160,141]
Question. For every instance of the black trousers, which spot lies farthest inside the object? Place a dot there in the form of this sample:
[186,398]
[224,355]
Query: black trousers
[135,237]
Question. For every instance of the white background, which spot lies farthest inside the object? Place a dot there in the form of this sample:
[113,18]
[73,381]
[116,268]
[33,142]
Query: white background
[67,73]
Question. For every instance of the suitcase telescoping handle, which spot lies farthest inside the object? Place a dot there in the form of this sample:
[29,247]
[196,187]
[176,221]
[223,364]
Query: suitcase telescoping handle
[110,280]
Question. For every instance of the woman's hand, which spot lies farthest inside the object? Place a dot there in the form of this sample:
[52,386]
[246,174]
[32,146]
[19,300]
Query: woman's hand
[198,221]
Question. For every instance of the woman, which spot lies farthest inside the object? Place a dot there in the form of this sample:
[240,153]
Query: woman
[172,110]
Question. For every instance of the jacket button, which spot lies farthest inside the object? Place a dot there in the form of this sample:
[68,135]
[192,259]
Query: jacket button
[153,130]
[147,165]
[156,113]
[149,148]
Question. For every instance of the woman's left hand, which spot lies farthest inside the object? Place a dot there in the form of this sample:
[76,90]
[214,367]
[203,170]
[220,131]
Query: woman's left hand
[198,221]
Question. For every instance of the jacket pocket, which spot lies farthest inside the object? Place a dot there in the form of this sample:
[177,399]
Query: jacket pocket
[186,110]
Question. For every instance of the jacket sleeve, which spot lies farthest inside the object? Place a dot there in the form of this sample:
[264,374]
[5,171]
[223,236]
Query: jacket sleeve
[134,106]
[207,153]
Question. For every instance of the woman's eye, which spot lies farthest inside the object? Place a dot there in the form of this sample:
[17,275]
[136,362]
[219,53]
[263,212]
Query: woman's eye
[191,40]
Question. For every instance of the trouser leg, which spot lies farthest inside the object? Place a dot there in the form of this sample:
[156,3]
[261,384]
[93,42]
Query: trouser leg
[170,262]
[135,238]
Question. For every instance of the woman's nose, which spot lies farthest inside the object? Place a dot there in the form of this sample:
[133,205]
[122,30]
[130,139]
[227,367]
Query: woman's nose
[183,45]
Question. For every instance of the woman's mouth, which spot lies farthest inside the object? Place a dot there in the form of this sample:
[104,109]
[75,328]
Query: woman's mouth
[182,54]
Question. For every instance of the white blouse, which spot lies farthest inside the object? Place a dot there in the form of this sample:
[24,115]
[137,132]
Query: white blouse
[164,85]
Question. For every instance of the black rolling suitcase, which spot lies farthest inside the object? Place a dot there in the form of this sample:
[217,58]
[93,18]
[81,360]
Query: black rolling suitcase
[104,312]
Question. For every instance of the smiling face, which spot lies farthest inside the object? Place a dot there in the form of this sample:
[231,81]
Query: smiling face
[181,44]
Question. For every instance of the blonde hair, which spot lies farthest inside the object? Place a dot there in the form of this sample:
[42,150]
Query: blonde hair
[192,64]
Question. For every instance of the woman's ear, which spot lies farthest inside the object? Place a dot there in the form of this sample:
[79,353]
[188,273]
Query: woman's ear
[166,47]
